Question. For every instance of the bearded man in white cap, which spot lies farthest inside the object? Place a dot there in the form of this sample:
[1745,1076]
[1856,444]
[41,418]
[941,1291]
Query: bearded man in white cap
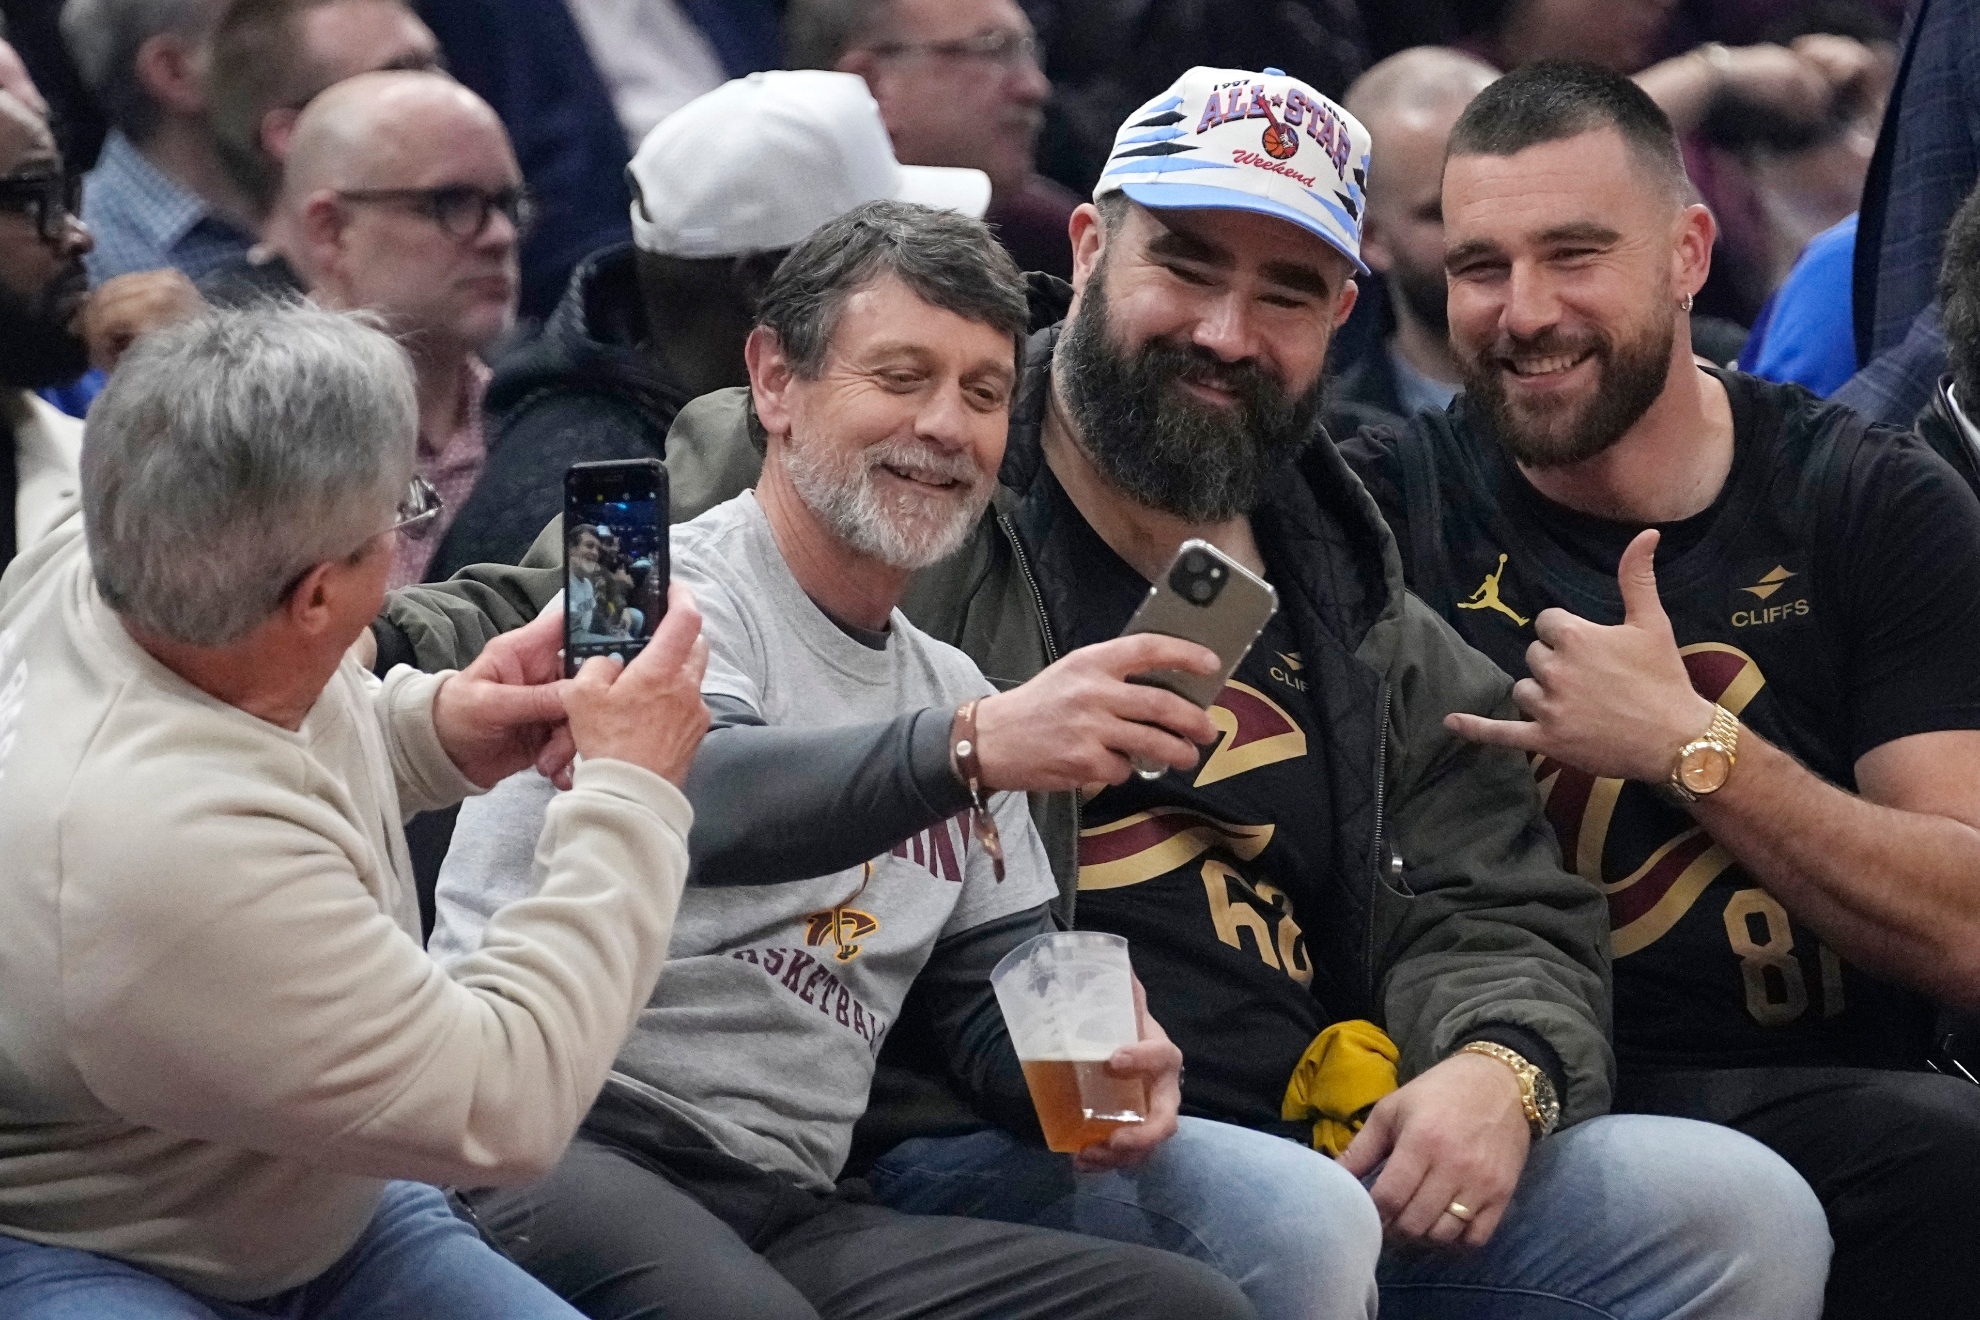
[722,189]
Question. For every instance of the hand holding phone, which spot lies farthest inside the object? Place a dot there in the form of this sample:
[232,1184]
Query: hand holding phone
[616,567]
[1207,597]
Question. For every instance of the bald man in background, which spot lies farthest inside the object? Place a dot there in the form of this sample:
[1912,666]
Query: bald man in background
[402,196]
[1408,103]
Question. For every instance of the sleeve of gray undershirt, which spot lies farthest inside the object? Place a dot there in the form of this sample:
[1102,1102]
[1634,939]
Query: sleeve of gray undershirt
[774,804]
[968,1027]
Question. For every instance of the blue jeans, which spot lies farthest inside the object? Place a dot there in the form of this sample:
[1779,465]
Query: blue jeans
[1626,1217]
[414,1261]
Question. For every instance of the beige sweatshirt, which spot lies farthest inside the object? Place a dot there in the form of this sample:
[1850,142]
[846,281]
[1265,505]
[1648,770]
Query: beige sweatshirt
[47,445]
[218,1031]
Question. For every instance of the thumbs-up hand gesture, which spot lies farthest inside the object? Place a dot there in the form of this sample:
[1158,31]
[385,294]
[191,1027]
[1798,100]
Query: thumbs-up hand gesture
[1614,702]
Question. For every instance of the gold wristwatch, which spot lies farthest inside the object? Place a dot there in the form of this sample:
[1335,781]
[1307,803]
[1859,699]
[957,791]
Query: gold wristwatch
[1704,763]
[1536,1089]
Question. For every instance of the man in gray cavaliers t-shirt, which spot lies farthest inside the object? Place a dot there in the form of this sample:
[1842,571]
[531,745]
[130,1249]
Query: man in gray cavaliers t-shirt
[809,974]
[839,857]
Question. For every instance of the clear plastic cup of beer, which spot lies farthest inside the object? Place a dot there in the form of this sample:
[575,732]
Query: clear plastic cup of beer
[1068,1000]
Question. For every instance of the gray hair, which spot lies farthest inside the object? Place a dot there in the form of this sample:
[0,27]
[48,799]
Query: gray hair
[946,259]
[231,454]
[104,37]
[818,32]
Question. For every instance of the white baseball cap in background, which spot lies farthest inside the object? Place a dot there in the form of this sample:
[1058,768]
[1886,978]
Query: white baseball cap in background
[1232,139]
[761,161]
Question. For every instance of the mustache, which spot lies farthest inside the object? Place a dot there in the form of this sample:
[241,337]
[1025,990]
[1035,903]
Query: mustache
[925,463]
[1245,379]
[70,281]
[1550,342]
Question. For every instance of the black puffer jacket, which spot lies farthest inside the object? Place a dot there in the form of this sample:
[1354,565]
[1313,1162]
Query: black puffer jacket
[582,391]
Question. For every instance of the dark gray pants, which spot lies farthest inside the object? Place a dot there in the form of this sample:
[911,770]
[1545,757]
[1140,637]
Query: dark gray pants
[623,1236]
[1894,1158]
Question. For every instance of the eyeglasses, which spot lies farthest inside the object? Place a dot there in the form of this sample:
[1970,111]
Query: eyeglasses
[1004,47]
[50,199]
[460,209]
[419,508]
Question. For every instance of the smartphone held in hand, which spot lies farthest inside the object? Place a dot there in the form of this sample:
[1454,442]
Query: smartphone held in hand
[615,558]
[1209,598]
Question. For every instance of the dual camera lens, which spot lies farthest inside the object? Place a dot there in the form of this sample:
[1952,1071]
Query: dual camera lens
[1198,578]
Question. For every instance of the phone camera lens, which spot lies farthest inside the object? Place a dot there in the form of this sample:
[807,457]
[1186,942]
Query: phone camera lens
[1201,591]
[1195,562]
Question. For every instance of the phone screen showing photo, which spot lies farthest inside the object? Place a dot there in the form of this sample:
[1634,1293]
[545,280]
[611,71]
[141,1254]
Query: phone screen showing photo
[615,566]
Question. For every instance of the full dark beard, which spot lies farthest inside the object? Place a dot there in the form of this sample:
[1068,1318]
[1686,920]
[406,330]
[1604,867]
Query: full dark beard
[36,346]
[1202,463]
[1631,377]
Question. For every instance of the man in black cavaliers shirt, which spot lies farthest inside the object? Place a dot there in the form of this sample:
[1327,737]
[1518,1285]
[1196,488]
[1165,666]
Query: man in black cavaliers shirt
[1708,579]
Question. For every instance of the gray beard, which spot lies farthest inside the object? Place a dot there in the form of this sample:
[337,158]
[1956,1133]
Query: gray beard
[905,531]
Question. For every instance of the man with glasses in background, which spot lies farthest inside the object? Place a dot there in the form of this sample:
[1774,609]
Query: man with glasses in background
[402,197]
[42,295]
[959,82]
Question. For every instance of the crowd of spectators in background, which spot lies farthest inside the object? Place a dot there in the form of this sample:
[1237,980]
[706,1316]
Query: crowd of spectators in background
[948,339]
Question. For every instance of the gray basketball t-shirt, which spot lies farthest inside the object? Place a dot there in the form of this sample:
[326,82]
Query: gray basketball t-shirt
[776,998]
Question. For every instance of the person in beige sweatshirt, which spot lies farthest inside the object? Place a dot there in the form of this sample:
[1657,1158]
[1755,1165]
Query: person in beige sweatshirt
[220,1039]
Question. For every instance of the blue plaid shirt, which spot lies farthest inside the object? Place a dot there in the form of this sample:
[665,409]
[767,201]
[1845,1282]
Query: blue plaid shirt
[144,220]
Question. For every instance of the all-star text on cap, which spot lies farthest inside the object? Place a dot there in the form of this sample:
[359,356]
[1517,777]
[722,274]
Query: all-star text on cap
[1237,140]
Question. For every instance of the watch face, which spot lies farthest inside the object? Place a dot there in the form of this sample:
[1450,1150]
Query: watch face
[1704,769]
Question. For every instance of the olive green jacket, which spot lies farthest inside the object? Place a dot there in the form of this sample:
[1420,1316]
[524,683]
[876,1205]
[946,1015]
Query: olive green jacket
[1450,916]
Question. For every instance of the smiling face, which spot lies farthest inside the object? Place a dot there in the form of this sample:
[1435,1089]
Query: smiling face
[894,444]
[1567,262]
[1191,361]
[583,554]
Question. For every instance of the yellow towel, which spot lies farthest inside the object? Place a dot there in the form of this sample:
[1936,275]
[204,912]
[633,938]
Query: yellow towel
[1346,1069]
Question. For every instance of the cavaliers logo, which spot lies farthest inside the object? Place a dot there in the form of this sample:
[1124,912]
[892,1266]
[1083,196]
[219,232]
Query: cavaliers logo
[1649,900]
[1151,843]
[843,928]
[1256,731]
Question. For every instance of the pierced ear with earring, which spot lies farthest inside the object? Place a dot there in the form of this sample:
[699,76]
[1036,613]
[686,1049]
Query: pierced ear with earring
[1685,304]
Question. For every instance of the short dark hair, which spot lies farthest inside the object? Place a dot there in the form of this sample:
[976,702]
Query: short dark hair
[105,36]
[1554,100]
[259,63]
[948,260]
[818,32]
[1959,301]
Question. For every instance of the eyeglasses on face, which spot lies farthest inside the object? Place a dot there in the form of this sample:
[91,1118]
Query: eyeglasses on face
[417,509]
[461,210]
[1004,46]
[421,505]
[48,199]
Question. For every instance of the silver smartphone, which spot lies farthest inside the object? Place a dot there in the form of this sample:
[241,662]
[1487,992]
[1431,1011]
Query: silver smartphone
[1208,598]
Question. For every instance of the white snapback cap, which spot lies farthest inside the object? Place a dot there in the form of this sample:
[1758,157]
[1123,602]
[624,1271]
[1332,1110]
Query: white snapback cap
[761,161]
[1232,139]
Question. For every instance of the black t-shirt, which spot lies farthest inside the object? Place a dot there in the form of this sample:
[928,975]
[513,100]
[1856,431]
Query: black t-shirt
[1208,873]
[1829,597]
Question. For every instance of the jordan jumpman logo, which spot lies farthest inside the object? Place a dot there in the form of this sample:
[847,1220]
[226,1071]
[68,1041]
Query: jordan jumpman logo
[1487,595]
